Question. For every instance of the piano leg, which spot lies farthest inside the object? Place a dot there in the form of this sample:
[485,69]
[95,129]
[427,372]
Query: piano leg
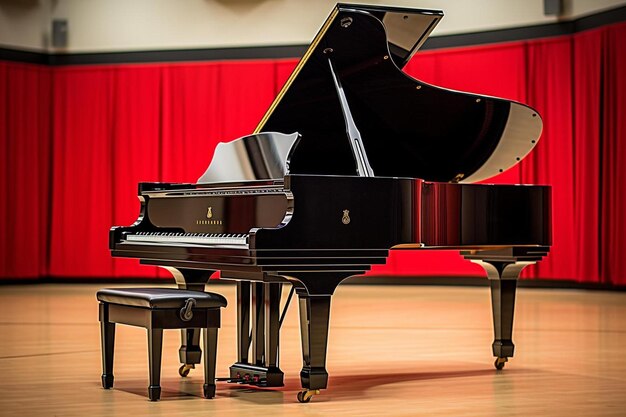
[503,277]
[503,307]
[273,292]
[190,353]
[314,321]
[243,321]
[258,323]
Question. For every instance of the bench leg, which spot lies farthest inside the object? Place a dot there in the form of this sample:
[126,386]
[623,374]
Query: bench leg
[155,344]
[107,338]
[210,359]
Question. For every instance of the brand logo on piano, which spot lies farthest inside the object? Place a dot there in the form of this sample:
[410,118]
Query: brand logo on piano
[346,217]
[209,215]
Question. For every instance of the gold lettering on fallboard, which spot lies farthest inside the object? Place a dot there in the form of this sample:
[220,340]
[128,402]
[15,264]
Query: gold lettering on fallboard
[210,222]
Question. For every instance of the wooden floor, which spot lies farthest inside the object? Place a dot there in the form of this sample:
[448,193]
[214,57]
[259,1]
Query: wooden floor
[401,351]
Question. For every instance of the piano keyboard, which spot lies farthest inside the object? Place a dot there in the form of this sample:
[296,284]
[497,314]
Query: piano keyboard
[210,239]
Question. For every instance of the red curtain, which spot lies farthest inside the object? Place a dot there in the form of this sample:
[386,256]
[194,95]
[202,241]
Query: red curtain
[116,126]
[613,139]
[24,169]
[75,141]
[550,92]
[82,174]
[587,153]
[135,149]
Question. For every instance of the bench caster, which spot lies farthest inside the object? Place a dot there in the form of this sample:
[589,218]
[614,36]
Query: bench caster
[305,395]
[184,369]
[499,363]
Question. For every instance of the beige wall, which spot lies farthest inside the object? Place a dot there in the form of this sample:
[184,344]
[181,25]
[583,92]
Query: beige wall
[23,23]
[122,25]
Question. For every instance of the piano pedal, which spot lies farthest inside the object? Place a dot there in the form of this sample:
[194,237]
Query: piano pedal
[305,395]
[229,380]
[185,368]
[499,363]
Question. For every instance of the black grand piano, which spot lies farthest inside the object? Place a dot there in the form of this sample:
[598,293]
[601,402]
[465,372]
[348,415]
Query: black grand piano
[352,159]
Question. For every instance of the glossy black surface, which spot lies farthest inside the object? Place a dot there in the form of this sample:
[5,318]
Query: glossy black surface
[485,215]
[229,213]
[379,212]
[382,213]
[407,28]
[409,128]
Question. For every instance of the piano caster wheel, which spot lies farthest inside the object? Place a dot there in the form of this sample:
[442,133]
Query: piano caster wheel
[305,396]
[184,370]
[499,363]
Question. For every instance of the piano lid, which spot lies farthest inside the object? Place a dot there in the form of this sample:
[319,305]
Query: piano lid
[408,128]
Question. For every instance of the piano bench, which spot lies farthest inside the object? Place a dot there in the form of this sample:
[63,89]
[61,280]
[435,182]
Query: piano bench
[156,309]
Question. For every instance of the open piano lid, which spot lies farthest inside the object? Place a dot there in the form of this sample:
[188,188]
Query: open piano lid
[408,128]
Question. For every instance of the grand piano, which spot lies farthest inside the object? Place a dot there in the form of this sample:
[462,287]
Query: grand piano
[353,158]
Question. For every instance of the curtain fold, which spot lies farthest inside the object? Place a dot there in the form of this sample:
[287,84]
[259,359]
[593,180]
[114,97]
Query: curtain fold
[587,95]
[82,175]
[551,162]
[4,166]
[24,159]
[75,141]
[613,157]
[136,150]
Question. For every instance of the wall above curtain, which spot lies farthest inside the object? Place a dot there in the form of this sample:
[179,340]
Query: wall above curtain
[148,25]
[76,140]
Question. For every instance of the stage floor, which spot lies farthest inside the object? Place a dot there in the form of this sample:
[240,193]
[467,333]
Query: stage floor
[393,351]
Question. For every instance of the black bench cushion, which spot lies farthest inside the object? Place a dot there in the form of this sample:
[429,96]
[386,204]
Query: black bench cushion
[157,298]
